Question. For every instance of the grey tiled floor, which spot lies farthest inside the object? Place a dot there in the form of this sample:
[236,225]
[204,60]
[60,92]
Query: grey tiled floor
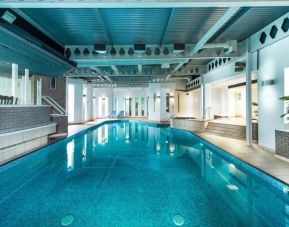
[254,155]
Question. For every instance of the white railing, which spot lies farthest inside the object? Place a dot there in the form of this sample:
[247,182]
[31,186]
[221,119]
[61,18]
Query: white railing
[207,111]
[193,83]
[54,104]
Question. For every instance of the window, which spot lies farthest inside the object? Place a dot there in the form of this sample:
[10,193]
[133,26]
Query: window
[115,104]
[142,106]
[52,83]
[178,102]
[168,102]
[136,106]
[130,105]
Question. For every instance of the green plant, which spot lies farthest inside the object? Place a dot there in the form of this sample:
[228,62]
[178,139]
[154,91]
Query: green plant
[285,98]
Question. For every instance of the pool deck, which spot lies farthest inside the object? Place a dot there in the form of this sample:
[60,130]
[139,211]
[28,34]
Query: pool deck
[261,159]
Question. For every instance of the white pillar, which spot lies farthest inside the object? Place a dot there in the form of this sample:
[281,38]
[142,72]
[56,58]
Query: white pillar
[203,98]
[39,92]
[14,80]
[25,87]
[248,96]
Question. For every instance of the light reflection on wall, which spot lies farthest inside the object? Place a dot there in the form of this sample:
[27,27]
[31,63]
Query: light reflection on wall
[127,133]
[70,155]
[102,134]
[84,148]
[172,148]
[286,93]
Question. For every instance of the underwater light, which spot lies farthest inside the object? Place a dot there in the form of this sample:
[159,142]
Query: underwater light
[178,220]
[67,220]
[232,187]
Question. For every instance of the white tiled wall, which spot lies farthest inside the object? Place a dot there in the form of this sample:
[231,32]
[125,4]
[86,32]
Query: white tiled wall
[16,144]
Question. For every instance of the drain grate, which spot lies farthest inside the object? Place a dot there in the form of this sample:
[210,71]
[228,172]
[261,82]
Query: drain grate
[67,220]
[178,220]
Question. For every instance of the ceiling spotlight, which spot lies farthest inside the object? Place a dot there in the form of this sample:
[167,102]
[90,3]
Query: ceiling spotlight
[165,66]
[100,48]
[179,47]
[139,48]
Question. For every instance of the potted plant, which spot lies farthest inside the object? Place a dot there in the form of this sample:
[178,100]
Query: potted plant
[285,99]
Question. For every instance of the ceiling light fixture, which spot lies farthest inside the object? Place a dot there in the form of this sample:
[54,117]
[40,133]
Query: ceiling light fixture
[100,48]
[8,17]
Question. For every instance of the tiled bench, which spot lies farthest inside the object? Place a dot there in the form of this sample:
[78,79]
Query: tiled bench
[17,143]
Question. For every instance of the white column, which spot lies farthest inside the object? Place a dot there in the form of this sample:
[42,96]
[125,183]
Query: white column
[203,98]
[25,87]
[14,80]
[248,96]
[39,92]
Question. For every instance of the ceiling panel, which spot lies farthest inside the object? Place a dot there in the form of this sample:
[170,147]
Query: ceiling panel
[14,49]
[188,25]
[70,26]
[129,26]
[252,21]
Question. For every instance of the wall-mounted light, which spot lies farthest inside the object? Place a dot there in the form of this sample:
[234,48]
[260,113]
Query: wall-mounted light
[268,82]
[240,66]
[156,96]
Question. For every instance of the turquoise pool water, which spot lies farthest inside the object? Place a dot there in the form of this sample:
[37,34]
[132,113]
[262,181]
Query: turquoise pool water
[134,174]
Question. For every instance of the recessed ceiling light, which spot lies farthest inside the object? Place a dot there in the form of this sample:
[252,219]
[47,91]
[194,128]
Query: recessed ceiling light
[8,17]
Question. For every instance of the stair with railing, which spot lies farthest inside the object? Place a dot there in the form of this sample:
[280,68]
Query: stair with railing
[50,101]
[58,116]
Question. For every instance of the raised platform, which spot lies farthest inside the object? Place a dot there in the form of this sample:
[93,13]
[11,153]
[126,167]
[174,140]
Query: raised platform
[18,143]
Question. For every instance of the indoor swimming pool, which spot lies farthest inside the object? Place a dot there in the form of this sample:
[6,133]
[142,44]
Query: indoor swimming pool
[128,173]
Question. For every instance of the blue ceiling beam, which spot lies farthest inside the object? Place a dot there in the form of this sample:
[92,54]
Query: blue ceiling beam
[35,24]
[107,33]
[228,15]
[167,26]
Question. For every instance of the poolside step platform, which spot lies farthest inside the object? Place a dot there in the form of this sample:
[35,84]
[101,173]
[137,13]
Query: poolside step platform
[231,130]
[227,130]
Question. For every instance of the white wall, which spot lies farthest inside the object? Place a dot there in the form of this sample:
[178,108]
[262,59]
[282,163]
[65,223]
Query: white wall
[273,60]
[120,94]
[103,93]
[157,108]
[190,103]
[87,100]
[77,98]
[5,88]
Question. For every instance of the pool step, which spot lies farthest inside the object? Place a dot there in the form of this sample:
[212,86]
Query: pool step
[227,130]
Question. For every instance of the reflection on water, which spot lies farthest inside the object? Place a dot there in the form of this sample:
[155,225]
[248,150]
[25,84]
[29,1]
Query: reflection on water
[134,174]
[253,201]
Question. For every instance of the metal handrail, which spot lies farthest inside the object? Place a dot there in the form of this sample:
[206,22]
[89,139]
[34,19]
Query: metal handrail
[54,104]
[171,116]
[207,110]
